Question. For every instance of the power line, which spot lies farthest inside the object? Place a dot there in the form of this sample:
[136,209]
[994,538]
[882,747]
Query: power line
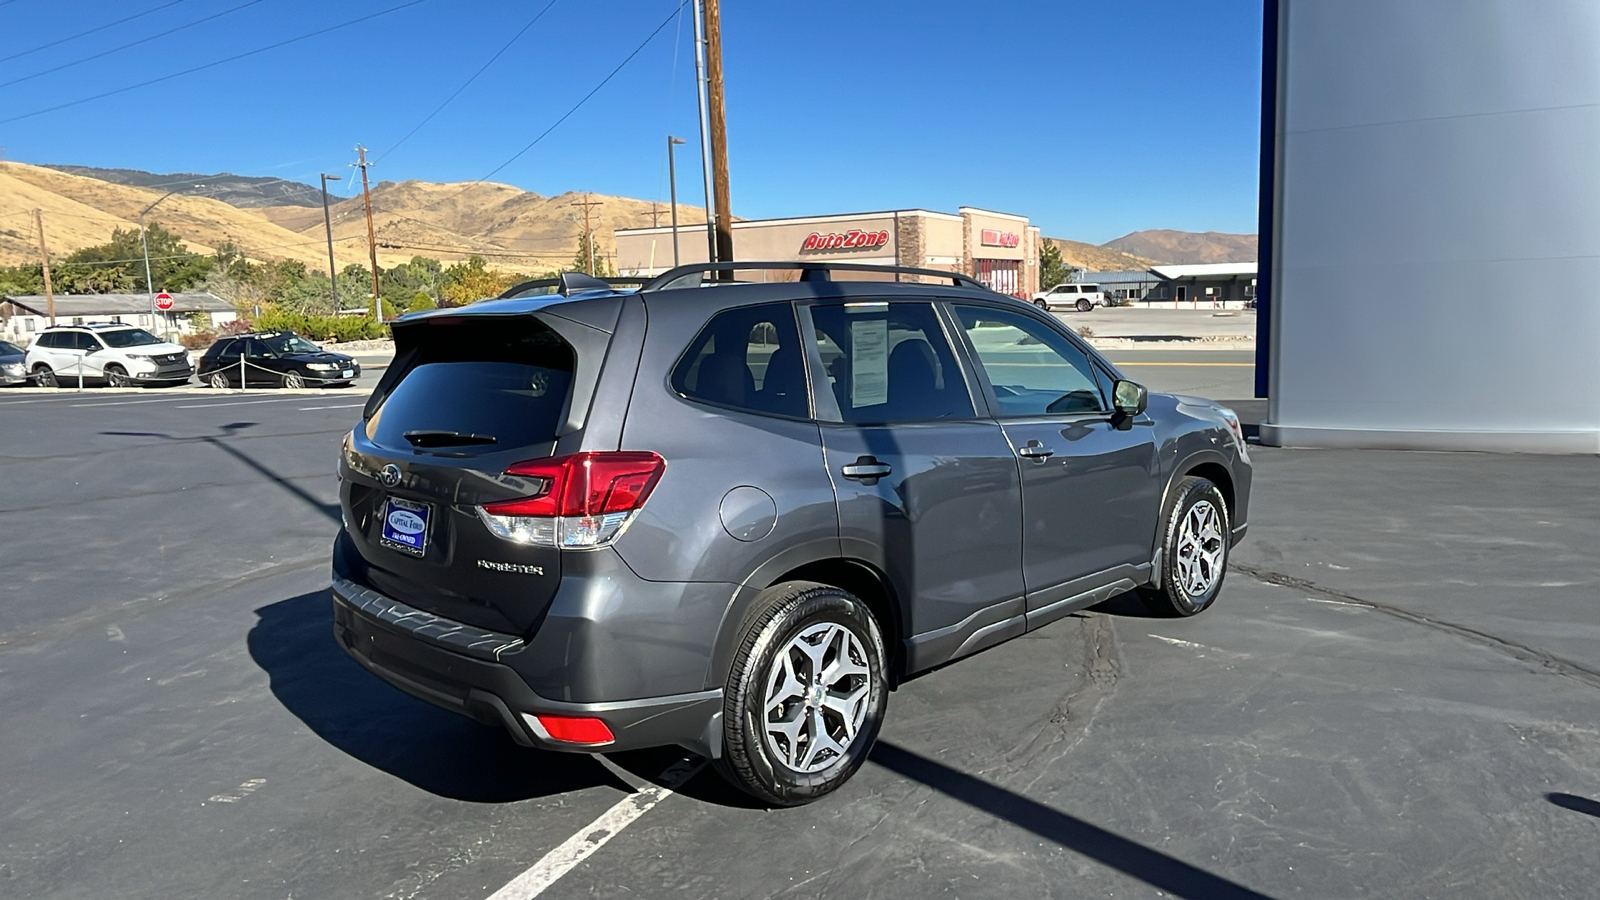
[567,115]
[481,69]
[139,43]
[209,65]
[90,31]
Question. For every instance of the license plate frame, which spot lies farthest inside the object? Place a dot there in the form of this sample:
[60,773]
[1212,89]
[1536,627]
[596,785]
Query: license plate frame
[408,539]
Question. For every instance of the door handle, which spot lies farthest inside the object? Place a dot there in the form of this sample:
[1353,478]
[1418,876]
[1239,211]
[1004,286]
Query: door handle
[866,469]
[1035,450]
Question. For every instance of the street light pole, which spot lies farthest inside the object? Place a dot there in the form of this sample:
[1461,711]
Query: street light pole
[672,179]
[144,242]
[327,221]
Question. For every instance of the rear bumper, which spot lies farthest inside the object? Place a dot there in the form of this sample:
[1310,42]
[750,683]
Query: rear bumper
[462,669]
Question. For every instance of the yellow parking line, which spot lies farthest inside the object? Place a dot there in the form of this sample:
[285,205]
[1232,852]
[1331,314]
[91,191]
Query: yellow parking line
[1186,365]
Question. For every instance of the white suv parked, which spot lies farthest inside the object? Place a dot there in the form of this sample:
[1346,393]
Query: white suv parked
[1082,297]
[114,355]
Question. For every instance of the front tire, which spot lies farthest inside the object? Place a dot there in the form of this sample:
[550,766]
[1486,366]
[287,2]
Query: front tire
[1042,304]
[805,695]
[1084,306]
[1194,550]
[117,377]
[44,376]
[294,381]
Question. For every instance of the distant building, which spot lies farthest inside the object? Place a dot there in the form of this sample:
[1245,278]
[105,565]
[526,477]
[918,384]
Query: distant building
[22,317]
[1123,286]
[1210,285]
[999,249]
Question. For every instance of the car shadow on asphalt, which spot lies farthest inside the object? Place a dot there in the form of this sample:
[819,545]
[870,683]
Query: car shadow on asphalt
[436,750]
[1171,875]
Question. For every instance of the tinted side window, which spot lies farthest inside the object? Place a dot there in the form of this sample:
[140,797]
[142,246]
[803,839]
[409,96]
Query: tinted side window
[48,339]
[747,358]
[86,341]
[889,362]
[1033,369]
[227,348]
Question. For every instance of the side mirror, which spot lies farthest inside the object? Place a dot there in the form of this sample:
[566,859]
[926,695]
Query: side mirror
[1129,398]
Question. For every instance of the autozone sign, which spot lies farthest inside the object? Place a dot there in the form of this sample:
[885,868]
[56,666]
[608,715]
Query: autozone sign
[993,237]
[851,240]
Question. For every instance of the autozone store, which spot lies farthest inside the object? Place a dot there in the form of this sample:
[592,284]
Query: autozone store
[999,249]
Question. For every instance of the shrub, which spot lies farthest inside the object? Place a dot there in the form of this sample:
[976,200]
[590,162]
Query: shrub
[199,340]
[322,328]
[421,303]
[1085,331]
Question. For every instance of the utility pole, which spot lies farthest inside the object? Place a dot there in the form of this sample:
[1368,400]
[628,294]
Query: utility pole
[705,144]
[372,240]
[672,179]
[588,231]
[719,133]
[327,221]
[655,214]
[44,264]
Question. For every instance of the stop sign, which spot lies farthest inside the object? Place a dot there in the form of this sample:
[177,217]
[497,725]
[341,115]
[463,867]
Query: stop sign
[163,301]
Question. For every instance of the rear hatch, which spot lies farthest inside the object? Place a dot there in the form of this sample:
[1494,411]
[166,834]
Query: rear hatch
[467,397]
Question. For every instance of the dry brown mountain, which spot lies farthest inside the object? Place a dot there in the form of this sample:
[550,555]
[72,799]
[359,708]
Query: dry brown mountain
[81,212]
[510,227]
[1098,259]
[1180,247]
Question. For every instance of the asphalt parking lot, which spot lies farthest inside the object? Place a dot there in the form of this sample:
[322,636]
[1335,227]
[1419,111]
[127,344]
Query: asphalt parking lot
[1396,695]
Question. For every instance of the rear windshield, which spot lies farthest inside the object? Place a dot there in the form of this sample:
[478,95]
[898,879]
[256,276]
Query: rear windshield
[476,385]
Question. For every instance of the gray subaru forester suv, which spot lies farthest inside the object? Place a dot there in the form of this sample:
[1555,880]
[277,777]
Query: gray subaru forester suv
[731,515]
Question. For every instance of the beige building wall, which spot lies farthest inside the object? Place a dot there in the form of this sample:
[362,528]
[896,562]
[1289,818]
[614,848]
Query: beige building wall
[918,238]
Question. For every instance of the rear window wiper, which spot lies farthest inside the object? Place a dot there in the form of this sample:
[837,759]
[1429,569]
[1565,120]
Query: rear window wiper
[447,438]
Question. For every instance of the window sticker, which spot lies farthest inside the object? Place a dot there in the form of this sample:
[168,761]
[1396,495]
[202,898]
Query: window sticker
[869,362]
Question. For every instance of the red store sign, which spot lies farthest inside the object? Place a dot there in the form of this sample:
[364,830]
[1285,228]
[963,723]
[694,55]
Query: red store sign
[853,240]
[992,237]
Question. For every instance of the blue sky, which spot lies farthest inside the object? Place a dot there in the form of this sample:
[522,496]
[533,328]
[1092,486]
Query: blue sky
[1093,118]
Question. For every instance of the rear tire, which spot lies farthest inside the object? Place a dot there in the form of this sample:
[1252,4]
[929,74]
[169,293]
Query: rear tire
[44,376]
[218,380]
[805,695]
[1084,306]
[1194,551]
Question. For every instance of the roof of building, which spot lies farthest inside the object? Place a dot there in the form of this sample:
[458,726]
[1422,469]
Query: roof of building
[1206,270]
[1134,276]
[116,304]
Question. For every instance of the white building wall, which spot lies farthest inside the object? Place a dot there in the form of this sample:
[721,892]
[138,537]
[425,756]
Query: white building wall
[1437,256]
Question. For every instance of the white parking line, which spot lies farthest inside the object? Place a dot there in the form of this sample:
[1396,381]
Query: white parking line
[342,406]
[242,402]
[596,834]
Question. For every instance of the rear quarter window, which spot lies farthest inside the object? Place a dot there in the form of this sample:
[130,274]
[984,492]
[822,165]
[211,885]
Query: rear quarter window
[747,358]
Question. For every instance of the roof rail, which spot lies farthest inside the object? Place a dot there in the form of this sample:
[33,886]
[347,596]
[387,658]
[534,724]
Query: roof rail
[692,275]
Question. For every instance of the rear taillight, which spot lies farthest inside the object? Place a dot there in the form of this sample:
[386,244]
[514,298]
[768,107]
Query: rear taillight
[585,500]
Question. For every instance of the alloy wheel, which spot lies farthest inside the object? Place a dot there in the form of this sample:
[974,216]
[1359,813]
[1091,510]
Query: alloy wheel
[117,378]
[816,697]
[293,381]
[1201,549]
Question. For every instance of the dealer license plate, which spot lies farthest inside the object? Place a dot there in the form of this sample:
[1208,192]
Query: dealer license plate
[349,373]
[405,525]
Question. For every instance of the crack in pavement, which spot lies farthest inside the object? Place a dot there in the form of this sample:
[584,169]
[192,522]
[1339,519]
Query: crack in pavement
[1076,711]
[1519,651]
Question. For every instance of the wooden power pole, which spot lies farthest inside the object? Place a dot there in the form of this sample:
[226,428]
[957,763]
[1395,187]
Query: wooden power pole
[719,133]
[372,240]
[44,264]
[588,230]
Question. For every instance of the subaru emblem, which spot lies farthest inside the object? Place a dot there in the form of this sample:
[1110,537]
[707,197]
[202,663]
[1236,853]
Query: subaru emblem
[389,475]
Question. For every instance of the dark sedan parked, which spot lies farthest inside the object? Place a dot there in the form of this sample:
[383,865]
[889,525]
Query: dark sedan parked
[274,359]
[13,369]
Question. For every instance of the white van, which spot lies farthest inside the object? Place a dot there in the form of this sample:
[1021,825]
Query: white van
[1082,297]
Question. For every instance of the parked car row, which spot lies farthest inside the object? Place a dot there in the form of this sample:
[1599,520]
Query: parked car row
[117,355]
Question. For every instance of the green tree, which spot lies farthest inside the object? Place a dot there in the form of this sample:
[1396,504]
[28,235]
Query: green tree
[422,302]
[1052,270]
[580,262]
[471,281]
